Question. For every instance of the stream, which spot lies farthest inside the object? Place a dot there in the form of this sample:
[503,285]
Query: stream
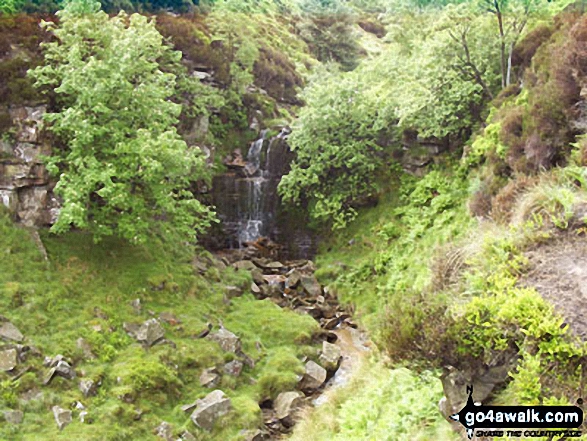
[261,235]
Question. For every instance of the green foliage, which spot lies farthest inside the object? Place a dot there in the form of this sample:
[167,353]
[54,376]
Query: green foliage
[383,404]
[123,168]
[337,153]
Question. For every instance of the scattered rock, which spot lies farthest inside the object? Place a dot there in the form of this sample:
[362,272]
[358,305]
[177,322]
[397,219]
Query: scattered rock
[331,323]
[258,277]
[255,289]
[233,368]
[62,417]
[150,332]
[311,285]
[88,387]
[8,359]
[210,378]
[256,435]
[187,436]
[13,416]
[246,265]
[204,332]
[169,318]
[215,405]
[274,279]
[286,404]
[86,349]
[59,367]
[330,356]
[293,279]
[227,340]
[231,291]
[83,416]
[136,306]
[165,431]
[10,332]
[314,377]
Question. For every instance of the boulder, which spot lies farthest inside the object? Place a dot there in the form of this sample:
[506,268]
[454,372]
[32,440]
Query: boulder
[165,431]
[86,349]
[246,265]
[255,289]
[330,356]
[59,367]
[10,332]
[210,378]
[13,416]
[187,436]
[256,435]
[231,291]
[258,277]
[215,405]
[136,306]
[293,279]
[169,318]
[227,340]
[150,332]
[311,285]
[8,359]
[233,368]
[286,404]
[87,387]
[484,380]
[62,417]
[314,377]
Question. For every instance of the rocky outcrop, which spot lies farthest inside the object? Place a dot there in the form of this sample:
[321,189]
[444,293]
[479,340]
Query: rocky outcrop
[25,187]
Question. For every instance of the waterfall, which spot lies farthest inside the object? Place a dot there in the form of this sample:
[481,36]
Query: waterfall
[247,201]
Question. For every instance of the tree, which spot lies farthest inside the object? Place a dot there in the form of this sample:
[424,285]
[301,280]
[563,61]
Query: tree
[123,169]
[512,18]
[335,140]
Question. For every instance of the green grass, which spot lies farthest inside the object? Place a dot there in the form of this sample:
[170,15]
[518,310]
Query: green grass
[85,285]
[380,404]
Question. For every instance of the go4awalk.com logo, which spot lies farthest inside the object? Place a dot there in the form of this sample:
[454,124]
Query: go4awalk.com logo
[507,420]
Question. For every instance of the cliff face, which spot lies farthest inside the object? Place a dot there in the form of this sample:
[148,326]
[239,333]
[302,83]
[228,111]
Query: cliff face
[25,187]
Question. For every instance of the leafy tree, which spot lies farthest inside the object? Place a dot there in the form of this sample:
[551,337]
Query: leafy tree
[122,167]
[337,153]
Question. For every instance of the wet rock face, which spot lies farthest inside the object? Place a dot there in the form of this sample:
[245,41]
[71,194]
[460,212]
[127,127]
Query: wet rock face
[248,204]
[25,187]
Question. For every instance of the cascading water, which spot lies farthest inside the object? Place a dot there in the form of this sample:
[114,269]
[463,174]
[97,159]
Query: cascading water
[248,205]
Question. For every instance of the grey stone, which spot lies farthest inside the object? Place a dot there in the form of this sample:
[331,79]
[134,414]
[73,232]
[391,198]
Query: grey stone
[215,405]
[255,288]
[10,332]
[86,349]
[8,359]
[231,291]
[210,377]
[87,387]
[136,306]
[293,279]
[314,377]
[187,436]
[150,332]
[165,431]
[227,340]
[62,417]
[311,285]
[13,416]
[330,356]
[286,403]
[244,265]
[233,368]
[63,369]
[256,435]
